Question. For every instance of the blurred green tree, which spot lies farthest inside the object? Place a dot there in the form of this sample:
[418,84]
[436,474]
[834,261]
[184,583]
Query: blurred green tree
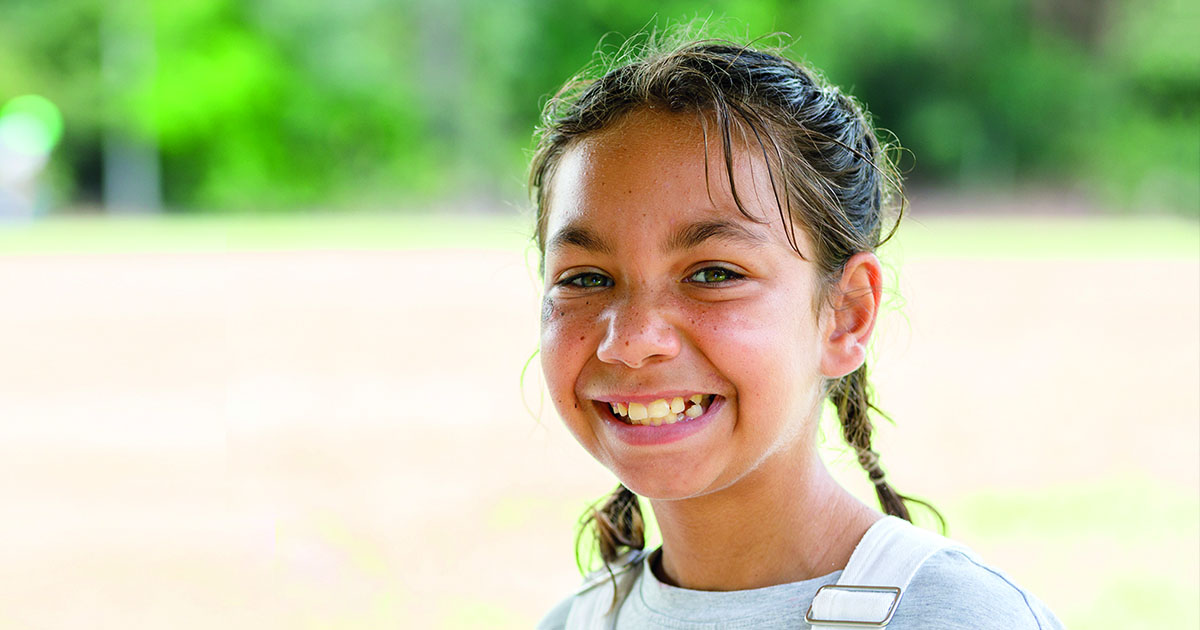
[279,104]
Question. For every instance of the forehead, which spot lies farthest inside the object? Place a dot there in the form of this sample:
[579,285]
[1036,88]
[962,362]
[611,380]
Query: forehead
[654,169]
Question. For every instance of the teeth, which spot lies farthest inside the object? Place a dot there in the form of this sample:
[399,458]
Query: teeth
[662,411]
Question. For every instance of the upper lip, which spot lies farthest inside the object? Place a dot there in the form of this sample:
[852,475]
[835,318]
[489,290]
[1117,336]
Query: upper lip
[649,398]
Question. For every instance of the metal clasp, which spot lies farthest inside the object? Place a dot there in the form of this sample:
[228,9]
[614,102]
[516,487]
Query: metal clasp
[892,590]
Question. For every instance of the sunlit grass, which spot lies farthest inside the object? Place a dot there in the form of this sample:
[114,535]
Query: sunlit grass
[216,233]
[1119,552]
[1040,237]
[1100,236]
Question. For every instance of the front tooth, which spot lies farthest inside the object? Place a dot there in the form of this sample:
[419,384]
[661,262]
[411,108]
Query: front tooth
[658,408]
[697,398]
[676,404]
[679,417]
[656,421]
[622,409]
[694,411]
[637,411]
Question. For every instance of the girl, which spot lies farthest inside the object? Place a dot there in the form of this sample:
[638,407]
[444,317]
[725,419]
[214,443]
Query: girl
[706,218]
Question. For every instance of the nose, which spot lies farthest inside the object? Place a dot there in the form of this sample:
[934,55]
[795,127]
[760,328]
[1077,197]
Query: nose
[638,332]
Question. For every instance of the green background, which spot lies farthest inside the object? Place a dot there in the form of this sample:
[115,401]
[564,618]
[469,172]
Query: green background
[419,105]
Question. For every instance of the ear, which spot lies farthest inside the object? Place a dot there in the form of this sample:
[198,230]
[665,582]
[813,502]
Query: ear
[853,306]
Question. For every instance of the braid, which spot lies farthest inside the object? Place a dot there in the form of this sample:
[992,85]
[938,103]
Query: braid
[617,524]
[618,528]
[852,397]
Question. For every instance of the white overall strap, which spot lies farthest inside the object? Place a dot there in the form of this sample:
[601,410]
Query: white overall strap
[593,606]
[874,580]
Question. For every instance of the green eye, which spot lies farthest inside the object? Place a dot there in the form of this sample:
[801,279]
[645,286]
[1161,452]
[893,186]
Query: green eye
[588,281]
[714,275]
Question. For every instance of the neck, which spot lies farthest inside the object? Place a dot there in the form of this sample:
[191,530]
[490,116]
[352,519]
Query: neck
[771,527]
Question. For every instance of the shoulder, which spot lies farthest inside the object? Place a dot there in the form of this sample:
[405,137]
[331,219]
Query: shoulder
[556,619]
[597,589]
[955,589]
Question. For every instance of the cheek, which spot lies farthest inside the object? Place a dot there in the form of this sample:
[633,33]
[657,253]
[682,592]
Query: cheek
[772,343]
[766,329]
[564,347]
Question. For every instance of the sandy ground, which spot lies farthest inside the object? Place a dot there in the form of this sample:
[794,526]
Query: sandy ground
[325,439]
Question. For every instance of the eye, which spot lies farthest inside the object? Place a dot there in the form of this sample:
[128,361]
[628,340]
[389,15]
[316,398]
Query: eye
[714,275]
[588,280]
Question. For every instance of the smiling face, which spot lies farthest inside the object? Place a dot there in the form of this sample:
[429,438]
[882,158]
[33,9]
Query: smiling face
[658,288]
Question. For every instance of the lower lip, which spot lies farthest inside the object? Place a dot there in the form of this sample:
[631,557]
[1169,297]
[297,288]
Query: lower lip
[648,435]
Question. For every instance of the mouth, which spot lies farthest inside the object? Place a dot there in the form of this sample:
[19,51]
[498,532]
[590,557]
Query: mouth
[664,411]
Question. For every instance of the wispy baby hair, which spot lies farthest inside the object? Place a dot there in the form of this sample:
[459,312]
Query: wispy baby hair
[832,177]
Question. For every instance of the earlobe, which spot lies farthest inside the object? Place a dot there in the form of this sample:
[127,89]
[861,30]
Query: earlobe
[854,304]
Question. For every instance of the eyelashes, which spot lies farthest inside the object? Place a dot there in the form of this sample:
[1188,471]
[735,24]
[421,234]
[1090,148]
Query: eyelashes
[586,280]
[713,276]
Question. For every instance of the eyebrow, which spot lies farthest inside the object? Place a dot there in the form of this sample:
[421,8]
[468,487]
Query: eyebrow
[693,235]
[578,236]
[687,237]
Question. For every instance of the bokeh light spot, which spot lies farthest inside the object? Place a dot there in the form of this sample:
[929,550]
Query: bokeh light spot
[30,124]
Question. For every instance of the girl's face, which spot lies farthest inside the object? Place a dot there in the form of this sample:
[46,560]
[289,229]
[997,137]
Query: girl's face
[659,289]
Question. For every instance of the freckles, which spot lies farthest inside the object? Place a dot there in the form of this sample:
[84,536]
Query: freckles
[730,324]
[566,332]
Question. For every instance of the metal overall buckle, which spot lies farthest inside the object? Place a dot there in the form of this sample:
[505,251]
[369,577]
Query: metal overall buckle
[855,623]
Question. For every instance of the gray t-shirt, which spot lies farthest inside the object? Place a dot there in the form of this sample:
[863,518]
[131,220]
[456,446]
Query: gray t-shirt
[951,591]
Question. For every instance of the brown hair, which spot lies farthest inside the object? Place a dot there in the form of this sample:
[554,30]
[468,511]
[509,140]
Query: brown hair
[837,180]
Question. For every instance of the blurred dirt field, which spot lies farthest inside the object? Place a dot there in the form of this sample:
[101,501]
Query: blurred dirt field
[337,439]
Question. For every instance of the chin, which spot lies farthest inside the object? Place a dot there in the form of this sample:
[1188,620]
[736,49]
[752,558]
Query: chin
[665,486]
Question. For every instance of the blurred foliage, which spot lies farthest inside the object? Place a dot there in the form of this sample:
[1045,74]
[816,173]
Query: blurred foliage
[284,104]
